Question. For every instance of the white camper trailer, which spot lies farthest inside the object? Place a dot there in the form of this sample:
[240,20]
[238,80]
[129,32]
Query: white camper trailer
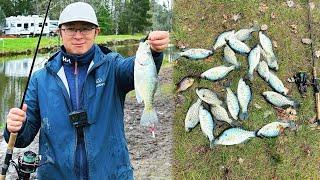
[26,25]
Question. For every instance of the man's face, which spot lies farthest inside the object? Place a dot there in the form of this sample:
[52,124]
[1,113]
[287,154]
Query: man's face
[78,37]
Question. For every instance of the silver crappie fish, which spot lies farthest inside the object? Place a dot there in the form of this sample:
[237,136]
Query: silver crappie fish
[208,96]
[232,103]
[237,45]
[244,96]
[246,34]
[230,57]
[263,70]
[277,84]
[193,54]
[221,114]
[145,83]
[221,39]
[254,59]
[233,136]
[217,73]
[267,51]
[207,124]
[279,100]
[274,129]
[192,117]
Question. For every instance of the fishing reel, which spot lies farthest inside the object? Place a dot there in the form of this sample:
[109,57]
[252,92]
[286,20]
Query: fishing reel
[27,164]
[301,80]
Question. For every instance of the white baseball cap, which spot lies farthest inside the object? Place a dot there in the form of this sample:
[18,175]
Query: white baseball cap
[79,11]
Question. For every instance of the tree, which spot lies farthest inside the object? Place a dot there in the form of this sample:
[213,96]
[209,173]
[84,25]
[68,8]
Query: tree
[105,20]
[7,7]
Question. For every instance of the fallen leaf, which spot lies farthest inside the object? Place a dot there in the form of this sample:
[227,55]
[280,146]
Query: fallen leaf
[225,17]
[257,106]
[236,17]
[306,41]
[240,160]
[267,114]
[317,54]
[313,119]
[288,114]
[290,3]
[291,80]
[189,29]
[311,5]
[264,27]
[293,28]
[202,18]
[273,15]
[263,7]
[275,44]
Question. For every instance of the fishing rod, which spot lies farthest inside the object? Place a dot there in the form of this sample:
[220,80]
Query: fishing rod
[13,136]
[315,81]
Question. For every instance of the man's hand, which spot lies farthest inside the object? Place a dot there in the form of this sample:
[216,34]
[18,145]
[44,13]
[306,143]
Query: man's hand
[15,118]
[158,40]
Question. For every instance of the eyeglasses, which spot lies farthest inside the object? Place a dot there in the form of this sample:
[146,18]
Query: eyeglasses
[73,31]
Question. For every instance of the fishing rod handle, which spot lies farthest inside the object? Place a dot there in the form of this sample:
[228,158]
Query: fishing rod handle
[318,105]
[11,143]
[12,140]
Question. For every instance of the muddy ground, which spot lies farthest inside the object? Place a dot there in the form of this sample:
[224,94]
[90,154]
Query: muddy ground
[151,157]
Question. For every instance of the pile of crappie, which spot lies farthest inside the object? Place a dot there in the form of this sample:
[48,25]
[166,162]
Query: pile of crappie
[208,109]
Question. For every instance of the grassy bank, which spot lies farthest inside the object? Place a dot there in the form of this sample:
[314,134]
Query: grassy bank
[290,156]
[23,44]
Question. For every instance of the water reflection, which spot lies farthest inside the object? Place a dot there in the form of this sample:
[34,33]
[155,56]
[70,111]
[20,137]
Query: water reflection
[13,76]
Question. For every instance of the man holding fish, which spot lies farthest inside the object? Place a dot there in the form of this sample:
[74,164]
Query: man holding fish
[77,100]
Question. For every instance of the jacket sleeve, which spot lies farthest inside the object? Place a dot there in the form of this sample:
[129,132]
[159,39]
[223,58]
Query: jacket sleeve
[32,124]
[125,69]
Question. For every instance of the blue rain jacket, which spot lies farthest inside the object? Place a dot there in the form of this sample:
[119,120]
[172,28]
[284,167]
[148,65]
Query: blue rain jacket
[110,77]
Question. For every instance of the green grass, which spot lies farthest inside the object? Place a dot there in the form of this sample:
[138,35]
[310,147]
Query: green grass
[22,44]
[197,25]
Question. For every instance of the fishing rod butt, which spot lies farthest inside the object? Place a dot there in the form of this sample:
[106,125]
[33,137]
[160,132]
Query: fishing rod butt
[2,177]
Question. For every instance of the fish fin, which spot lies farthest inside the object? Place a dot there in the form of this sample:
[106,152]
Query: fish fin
[236,124]
[256,28]
[149,117]
[174,57]
[249,77]
[244,116]
[138,96]
[212,144]
[296,104]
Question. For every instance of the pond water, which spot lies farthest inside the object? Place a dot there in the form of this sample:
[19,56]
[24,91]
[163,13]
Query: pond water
[14,72]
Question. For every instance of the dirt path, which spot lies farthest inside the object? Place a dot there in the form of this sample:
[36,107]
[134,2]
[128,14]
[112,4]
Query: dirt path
[151,158]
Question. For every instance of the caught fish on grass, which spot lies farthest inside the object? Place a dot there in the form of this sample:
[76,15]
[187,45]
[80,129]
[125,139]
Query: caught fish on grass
[207,124]
[221,39]
[193,54]
[280,100]
[267,51]
[246,34]
[230,57]
[232,103]
[208,96]
[146,83]
[263,70]
[233,136]
[220,114]
[237,45]
[217,73]
[184,84]
[274,129]
[276,84]
[244,96]
[254,59]
[192,117]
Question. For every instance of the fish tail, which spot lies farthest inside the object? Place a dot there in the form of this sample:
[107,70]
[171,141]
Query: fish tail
[296,104]
[244,116]
[174,57]
[236,124]
[250,76]
[256,27]
[149,117]
[212,144]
